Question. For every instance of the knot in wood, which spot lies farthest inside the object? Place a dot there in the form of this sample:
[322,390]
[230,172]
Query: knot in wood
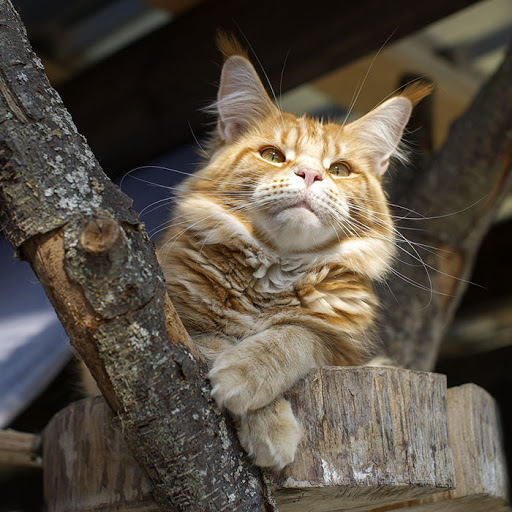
[99,235]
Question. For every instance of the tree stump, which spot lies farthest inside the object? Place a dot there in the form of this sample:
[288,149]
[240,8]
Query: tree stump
[477,447]
[373,438]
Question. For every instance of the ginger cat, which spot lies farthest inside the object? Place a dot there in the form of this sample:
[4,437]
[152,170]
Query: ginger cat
[274,246]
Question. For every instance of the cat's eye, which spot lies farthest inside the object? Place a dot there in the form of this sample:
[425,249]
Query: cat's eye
[340,169]
[272,155]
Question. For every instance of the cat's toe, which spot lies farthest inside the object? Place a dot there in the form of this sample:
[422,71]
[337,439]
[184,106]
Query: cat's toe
[271,435]
[236,385]
[229,390]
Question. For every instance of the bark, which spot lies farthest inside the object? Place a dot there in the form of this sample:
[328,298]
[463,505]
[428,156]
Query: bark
[456,197]
[62,214]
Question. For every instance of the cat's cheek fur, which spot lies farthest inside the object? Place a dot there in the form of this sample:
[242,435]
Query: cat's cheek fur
[369,256]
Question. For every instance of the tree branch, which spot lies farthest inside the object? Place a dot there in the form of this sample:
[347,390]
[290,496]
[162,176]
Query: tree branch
[458,195]
[62,214]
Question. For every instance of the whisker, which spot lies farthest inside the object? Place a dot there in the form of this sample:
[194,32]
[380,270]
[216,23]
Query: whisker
[263,71]
[417,257]
[420,216]
[198,143]
[151,207]
[360,88]
[282,76]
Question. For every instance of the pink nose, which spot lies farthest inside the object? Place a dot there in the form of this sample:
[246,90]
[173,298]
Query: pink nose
[309,175]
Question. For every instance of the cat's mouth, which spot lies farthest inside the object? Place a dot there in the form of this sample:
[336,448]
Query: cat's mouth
[302,204]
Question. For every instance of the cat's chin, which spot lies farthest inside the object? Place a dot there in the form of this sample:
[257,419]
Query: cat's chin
[298,214]
[296,228]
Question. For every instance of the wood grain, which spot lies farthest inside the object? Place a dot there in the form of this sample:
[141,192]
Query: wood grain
[88,465]
[478,456]
[19,451]
[372,436]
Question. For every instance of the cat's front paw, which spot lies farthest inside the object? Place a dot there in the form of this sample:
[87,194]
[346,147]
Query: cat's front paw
[270,435]
[240,383]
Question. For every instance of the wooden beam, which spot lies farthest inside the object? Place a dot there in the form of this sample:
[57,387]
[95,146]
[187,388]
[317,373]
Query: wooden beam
[485,328]
[146,99]
[174,6]
[454,88]
[19,451]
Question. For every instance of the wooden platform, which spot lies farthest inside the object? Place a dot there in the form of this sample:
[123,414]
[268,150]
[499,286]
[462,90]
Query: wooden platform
[373,438]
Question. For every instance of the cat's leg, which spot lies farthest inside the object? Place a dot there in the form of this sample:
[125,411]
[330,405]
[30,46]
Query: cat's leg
[211,345]
[251,374]
[270,435]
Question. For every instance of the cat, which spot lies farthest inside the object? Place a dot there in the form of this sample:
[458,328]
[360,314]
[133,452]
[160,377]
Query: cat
[273,247]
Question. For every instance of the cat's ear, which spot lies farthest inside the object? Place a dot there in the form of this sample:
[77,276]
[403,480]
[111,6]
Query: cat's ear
[379,132]
[241,100]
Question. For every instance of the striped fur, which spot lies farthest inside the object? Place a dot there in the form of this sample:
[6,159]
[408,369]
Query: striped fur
[270,272]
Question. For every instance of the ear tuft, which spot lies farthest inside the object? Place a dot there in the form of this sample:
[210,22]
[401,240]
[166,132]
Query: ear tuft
[416,91]
[229,45]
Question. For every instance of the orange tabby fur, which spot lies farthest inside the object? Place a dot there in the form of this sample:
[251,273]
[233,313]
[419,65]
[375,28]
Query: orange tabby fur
[270,264]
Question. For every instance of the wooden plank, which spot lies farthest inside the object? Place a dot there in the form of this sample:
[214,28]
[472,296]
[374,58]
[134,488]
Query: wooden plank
[19,451]
[146,99]
[478,456]
[372,436]
[480,330]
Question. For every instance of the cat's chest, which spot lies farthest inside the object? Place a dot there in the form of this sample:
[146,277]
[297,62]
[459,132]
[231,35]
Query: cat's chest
[254,275]
[278,276]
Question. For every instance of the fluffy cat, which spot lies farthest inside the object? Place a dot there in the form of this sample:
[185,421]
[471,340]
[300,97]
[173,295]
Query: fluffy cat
[273,248]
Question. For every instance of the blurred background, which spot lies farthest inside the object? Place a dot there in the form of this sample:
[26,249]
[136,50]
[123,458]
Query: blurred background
[135,75]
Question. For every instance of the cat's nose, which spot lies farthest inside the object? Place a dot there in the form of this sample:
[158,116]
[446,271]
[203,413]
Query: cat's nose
[309,176]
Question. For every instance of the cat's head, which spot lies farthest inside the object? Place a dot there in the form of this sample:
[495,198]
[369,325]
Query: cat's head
[297,183]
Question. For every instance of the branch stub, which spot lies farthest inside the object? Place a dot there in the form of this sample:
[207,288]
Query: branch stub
[99,235]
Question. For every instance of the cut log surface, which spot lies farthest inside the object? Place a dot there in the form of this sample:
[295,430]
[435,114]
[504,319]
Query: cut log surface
[477,446]
[372,436]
